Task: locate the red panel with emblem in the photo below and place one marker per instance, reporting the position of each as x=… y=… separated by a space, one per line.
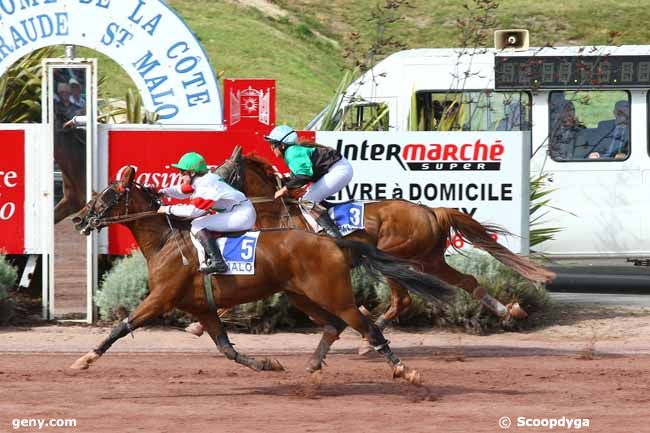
x=12 y=192
x=249 y=104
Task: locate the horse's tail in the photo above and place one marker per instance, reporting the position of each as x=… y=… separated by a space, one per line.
x=477 y=234
x=380 y=263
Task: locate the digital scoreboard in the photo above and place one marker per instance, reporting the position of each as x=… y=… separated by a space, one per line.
x=571 y=72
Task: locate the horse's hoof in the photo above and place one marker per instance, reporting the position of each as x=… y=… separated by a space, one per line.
x=273 y=365
x=516 y=311
x=316 y=377
x=365 y=348
x=84 y=362
x=410 y=375
x=195 y=329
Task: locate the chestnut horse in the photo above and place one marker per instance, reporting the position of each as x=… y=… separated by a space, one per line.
x=407 y=230
x=313 y=270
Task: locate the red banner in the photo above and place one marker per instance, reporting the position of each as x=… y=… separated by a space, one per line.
x=12 y=192
x=153 y=152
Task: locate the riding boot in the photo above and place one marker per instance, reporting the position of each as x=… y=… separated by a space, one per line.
x=214 y=262
x=325 y=221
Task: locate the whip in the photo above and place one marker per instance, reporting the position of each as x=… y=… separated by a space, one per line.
x=178 y=245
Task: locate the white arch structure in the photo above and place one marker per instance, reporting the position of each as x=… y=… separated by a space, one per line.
x=146 y=37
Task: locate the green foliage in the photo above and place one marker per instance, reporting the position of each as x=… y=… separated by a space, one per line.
x=264 y=316
x=20 y=89
x=332 y=118
x=123 y=287
x=8 y=278
x=504 y=284
x=539 y=205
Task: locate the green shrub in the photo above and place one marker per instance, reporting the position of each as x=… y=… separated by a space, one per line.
x=264 y=316
x=8 y=278
x=504 y=284
x=123 y=287
x=464 y=311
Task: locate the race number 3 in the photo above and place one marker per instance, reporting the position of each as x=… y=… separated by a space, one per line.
x=354 y=214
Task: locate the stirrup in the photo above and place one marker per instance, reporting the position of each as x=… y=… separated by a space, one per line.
x=213 y=267
x=329 y=226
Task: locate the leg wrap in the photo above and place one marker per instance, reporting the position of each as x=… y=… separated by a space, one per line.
x=225 y=346
x=375 y=337
x=117 y=332
x=381 y=322
x=495 y=306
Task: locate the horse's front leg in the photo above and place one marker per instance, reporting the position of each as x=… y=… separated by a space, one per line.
x=150 y=308
x=211 y=323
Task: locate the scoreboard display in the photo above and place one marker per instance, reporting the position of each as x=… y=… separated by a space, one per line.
x=571 y=72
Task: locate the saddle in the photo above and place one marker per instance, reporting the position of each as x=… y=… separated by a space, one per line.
x=217 y=235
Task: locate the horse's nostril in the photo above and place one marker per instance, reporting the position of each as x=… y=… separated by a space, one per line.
x=77 y=220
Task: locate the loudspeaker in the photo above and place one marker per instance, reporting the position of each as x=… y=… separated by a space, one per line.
x=517 y=39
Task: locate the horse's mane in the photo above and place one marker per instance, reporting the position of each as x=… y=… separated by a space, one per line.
x=260 y=164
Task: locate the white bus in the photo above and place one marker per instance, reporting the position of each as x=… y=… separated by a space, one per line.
x=579 y=104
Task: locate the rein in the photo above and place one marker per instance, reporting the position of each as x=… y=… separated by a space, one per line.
x=124 y=218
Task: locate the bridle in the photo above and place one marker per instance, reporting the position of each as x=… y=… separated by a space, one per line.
x=109 y=198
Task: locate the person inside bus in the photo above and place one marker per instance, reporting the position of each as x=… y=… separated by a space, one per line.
x=614 y=141
x=515 y=118
x=566 y=134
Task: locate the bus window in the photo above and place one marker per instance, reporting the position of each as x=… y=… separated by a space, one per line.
x=471 y=111
x=368 y=117
x=589 y=125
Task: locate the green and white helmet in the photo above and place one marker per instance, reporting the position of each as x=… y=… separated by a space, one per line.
x=192 y=162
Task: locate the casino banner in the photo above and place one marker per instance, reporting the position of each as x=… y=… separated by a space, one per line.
x=153 y=151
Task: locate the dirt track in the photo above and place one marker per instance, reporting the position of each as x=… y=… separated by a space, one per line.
x=181 y=385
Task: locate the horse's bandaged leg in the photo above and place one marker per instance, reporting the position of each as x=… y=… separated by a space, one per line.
x=117 y=332
x=494 y=305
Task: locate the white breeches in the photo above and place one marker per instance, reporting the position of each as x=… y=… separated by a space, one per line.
x=241 y=217
x=339 y=175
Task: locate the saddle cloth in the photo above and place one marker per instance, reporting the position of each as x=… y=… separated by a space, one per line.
x=348 y=216
x=238 y=251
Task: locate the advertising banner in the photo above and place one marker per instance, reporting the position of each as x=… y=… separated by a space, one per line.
x=484 y=174
x=12 y=192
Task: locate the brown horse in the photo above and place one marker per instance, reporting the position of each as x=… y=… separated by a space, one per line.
x=410 y=231
x=70 y=156
x=313 y=270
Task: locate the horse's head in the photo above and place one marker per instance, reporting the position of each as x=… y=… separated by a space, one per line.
x=231 y=171
x=116 y=202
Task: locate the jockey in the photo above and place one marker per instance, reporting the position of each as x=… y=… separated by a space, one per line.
x=214 y=206
x=310 y=162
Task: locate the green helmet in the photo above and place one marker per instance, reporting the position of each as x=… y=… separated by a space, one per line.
x=192 y=162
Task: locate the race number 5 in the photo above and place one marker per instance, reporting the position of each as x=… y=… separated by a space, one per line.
x=247 y=249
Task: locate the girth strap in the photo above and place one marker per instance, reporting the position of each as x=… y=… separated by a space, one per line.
x=209 y=296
